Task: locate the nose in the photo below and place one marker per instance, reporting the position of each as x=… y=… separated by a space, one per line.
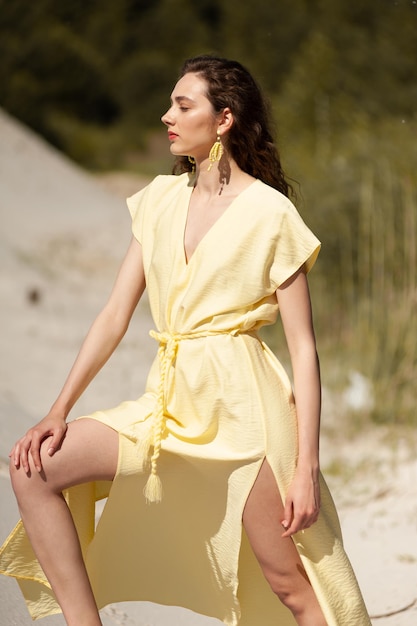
x=167 y=118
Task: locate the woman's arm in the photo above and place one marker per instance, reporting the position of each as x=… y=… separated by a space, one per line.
x=102 y=339
x=303 y=499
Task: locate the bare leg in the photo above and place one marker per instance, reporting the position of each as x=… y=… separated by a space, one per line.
x=277 y=556
x=89 y=452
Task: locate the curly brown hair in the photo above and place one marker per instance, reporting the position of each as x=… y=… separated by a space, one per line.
x=249 y=142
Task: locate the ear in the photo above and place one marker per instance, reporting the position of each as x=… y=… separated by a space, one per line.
x=225 y=121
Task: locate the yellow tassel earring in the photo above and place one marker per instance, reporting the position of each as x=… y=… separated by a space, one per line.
x=216 y=152
x=192 y=161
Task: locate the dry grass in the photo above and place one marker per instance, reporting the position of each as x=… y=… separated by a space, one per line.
x=363 y=204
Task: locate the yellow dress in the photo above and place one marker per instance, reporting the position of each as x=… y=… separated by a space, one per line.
x=218 y=402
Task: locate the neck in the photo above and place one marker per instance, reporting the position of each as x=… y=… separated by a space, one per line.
x=222 y=176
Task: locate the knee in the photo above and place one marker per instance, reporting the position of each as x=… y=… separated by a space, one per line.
x=25 y=484
x=19 y=479
x=285 y=588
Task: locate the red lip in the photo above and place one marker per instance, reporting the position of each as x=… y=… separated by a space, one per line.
x=171 y=135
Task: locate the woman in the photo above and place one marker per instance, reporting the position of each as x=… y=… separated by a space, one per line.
x=215 y=440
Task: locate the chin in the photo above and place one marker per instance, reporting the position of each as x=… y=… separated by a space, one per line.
x=175 y=152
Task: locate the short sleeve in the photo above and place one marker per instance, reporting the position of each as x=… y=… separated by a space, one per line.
x=294 y=246
x=137 y=208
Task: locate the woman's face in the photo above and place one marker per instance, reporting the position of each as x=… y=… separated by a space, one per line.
x=191 y=121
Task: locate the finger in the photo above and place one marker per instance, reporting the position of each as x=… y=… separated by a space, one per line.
x=12 y=454
x=291 y=530
x=15 y=455
x=302 y=522
x=296 y=525
x=313 y=514
x=314 y=518
x=35 y=452
x=56 y=441
x=288 y=515
x=24 y=458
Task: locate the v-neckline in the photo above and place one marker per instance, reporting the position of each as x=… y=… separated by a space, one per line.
x=187 y=260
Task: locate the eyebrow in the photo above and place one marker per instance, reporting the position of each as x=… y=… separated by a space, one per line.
x=180 y=99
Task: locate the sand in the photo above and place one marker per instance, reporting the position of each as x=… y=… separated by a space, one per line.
x=62 y=238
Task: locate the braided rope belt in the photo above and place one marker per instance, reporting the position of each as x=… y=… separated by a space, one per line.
x=167 y=351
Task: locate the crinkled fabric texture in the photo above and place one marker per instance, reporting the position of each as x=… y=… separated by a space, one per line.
x=228 y=405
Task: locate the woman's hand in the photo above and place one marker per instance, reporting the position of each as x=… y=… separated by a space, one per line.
x=302 y=504
x=53 y=427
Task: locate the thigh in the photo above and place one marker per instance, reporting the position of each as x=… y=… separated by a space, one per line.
x=262 y=516
x=89 y=451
